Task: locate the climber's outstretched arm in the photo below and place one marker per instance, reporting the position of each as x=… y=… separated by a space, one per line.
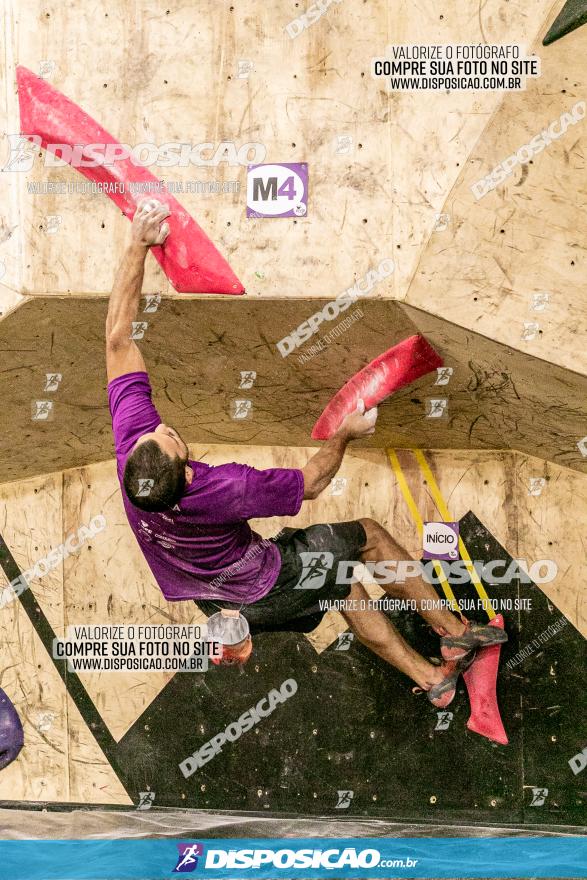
x=147 y=229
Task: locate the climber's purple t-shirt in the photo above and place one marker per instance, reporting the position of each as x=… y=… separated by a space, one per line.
x=204 y=548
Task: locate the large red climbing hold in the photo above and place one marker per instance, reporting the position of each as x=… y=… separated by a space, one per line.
x=396 y=367
x=481 y=681
x=188 y=257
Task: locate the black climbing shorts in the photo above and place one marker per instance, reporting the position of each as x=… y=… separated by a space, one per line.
x=310 y=561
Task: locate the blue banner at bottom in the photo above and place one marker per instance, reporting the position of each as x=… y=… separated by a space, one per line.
x=288 y=858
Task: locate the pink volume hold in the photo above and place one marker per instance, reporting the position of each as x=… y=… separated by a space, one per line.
x=398 y=366
x=188 y=257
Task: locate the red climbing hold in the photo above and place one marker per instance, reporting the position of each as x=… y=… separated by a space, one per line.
x=396 y=367
x=481 y=681
x=188 y=257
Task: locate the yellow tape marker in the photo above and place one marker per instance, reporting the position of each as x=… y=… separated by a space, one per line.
x=445 y=514
x=409 y=499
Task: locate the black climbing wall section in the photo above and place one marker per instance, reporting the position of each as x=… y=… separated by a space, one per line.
x=355 y=726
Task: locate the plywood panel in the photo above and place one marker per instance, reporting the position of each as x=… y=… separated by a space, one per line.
x=30 y=523
x=433 y=134
x=196 y=349
x=527 y=236
x=61 y=760
x=91 y=778
x=299 y=97
x=510 y=394
x=87 y=225
x=552 y=519
x=166 y=97
x=32 y=684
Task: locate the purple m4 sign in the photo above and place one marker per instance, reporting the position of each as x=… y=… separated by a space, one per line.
x=277 y=190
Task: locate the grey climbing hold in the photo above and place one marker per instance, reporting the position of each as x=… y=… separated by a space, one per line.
x=572 y=15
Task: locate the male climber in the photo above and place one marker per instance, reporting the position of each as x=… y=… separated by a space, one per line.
x=191 y=519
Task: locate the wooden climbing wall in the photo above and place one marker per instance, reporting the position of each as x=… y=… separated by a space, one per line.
x=495 y=284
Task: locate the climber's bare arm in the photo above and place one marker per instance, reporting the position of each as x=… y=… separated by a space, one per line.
x=147 y=229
